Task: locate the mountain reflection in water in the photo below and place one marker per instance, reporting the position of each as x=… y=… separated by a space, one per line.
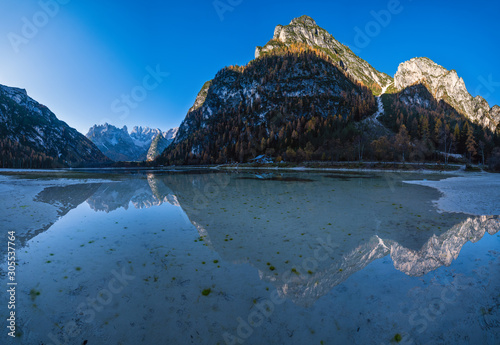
x=305 y=233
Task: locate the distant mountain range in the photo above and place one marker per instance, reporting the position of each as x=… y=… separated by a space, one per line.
x=305 y=96
x=143 y=143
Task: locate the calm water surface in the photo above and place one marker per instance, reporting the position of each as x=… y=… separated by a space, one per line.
x=210 y=257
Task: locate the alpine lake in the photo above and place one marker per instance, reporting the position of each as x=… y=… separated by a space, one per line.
x=206 y=256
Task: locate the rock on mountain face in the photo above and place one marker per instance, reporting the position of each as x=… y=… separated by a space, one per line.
x=24 y=120
x=158 y=145
x=202 y=95
x=171 y=133
x=115 y=143
x=143 y=136
x=447 y=86
x=119 y=145
x=305 y=30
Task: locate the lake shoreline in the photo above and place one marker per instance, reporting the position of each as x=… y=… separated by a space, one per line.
x=475 y=194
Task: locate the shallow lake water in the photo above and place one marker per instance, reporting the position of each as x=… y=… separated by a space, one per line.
x=253 y=257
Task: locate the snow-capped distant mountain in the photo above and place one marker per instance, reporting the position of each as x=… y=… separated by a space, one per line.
x=119 y=145
x=171 y=133
x=33 y=137
x=115 y=143
x=143 y=136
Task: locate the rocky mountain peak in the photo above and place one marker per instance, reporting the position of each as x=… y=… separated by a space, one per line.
x=416 y=70
x=14 y=93
x=447 y=86
x=304 y=20
x=305 y=30
x=119 y=145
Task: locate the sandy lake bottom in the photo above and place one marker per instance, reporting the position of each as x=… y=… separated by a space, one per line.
x=214 y=257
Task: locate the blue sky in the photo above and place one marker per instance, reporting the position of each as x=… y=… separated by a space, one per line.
x=80 y=58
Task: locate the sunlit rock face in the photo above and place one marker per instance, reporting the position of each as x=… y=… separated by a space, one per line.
x=305 y=30
x=447 y=86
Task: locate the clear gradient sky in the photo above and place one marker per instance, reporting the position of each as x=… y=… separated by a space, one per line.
x=80 y=57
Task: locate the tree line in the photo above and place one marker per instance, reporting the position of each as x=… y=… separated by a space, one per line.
x=15 y=155
x=433 y=130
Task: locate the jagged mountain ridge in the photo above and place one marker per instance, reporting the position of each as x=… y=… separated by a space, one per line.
x=305 y=30
x=119 y=145
x=143 y=136
x=447 y=86
x=31 y=124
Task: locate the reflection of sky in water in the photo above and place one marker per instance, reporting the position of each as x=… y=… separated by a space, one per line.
x=315 y=243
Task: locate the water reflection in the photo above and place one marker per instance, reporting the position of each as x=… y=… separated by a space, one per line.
x=442 y=250
x=67 y=198
x=305 y=233
x=140 y=193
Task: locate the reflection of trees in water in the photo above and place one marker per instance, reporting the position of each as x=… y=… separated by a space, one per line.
x=64 y=199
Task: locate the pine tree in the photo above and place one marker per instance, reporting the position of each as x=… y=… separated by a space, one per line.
x=437 y=131
x=456 y=133
x=471 y=143
x=425 y=129
x=402 y=141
